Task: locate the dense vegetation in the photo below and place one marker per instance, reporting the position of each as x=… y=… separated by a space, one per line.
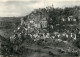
x=57 y=14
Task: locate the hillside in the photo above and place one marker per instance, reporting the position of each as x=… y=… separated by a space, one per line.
x=8 y=25
x=50 y=31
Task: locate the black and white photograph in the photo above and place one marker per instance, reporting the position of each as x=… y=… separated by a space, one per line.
x=39 y=28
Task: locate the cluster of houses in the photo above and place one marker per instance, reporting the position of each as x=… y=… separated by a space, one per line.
x=36 y=25
x=70 y=18
x=37 y=29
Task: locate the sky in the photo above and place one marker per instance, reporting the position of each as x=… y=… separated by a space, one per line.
x=15 y=8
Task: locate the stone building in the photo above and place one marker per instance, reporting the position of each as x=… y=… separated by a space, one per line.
x=44 y=23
